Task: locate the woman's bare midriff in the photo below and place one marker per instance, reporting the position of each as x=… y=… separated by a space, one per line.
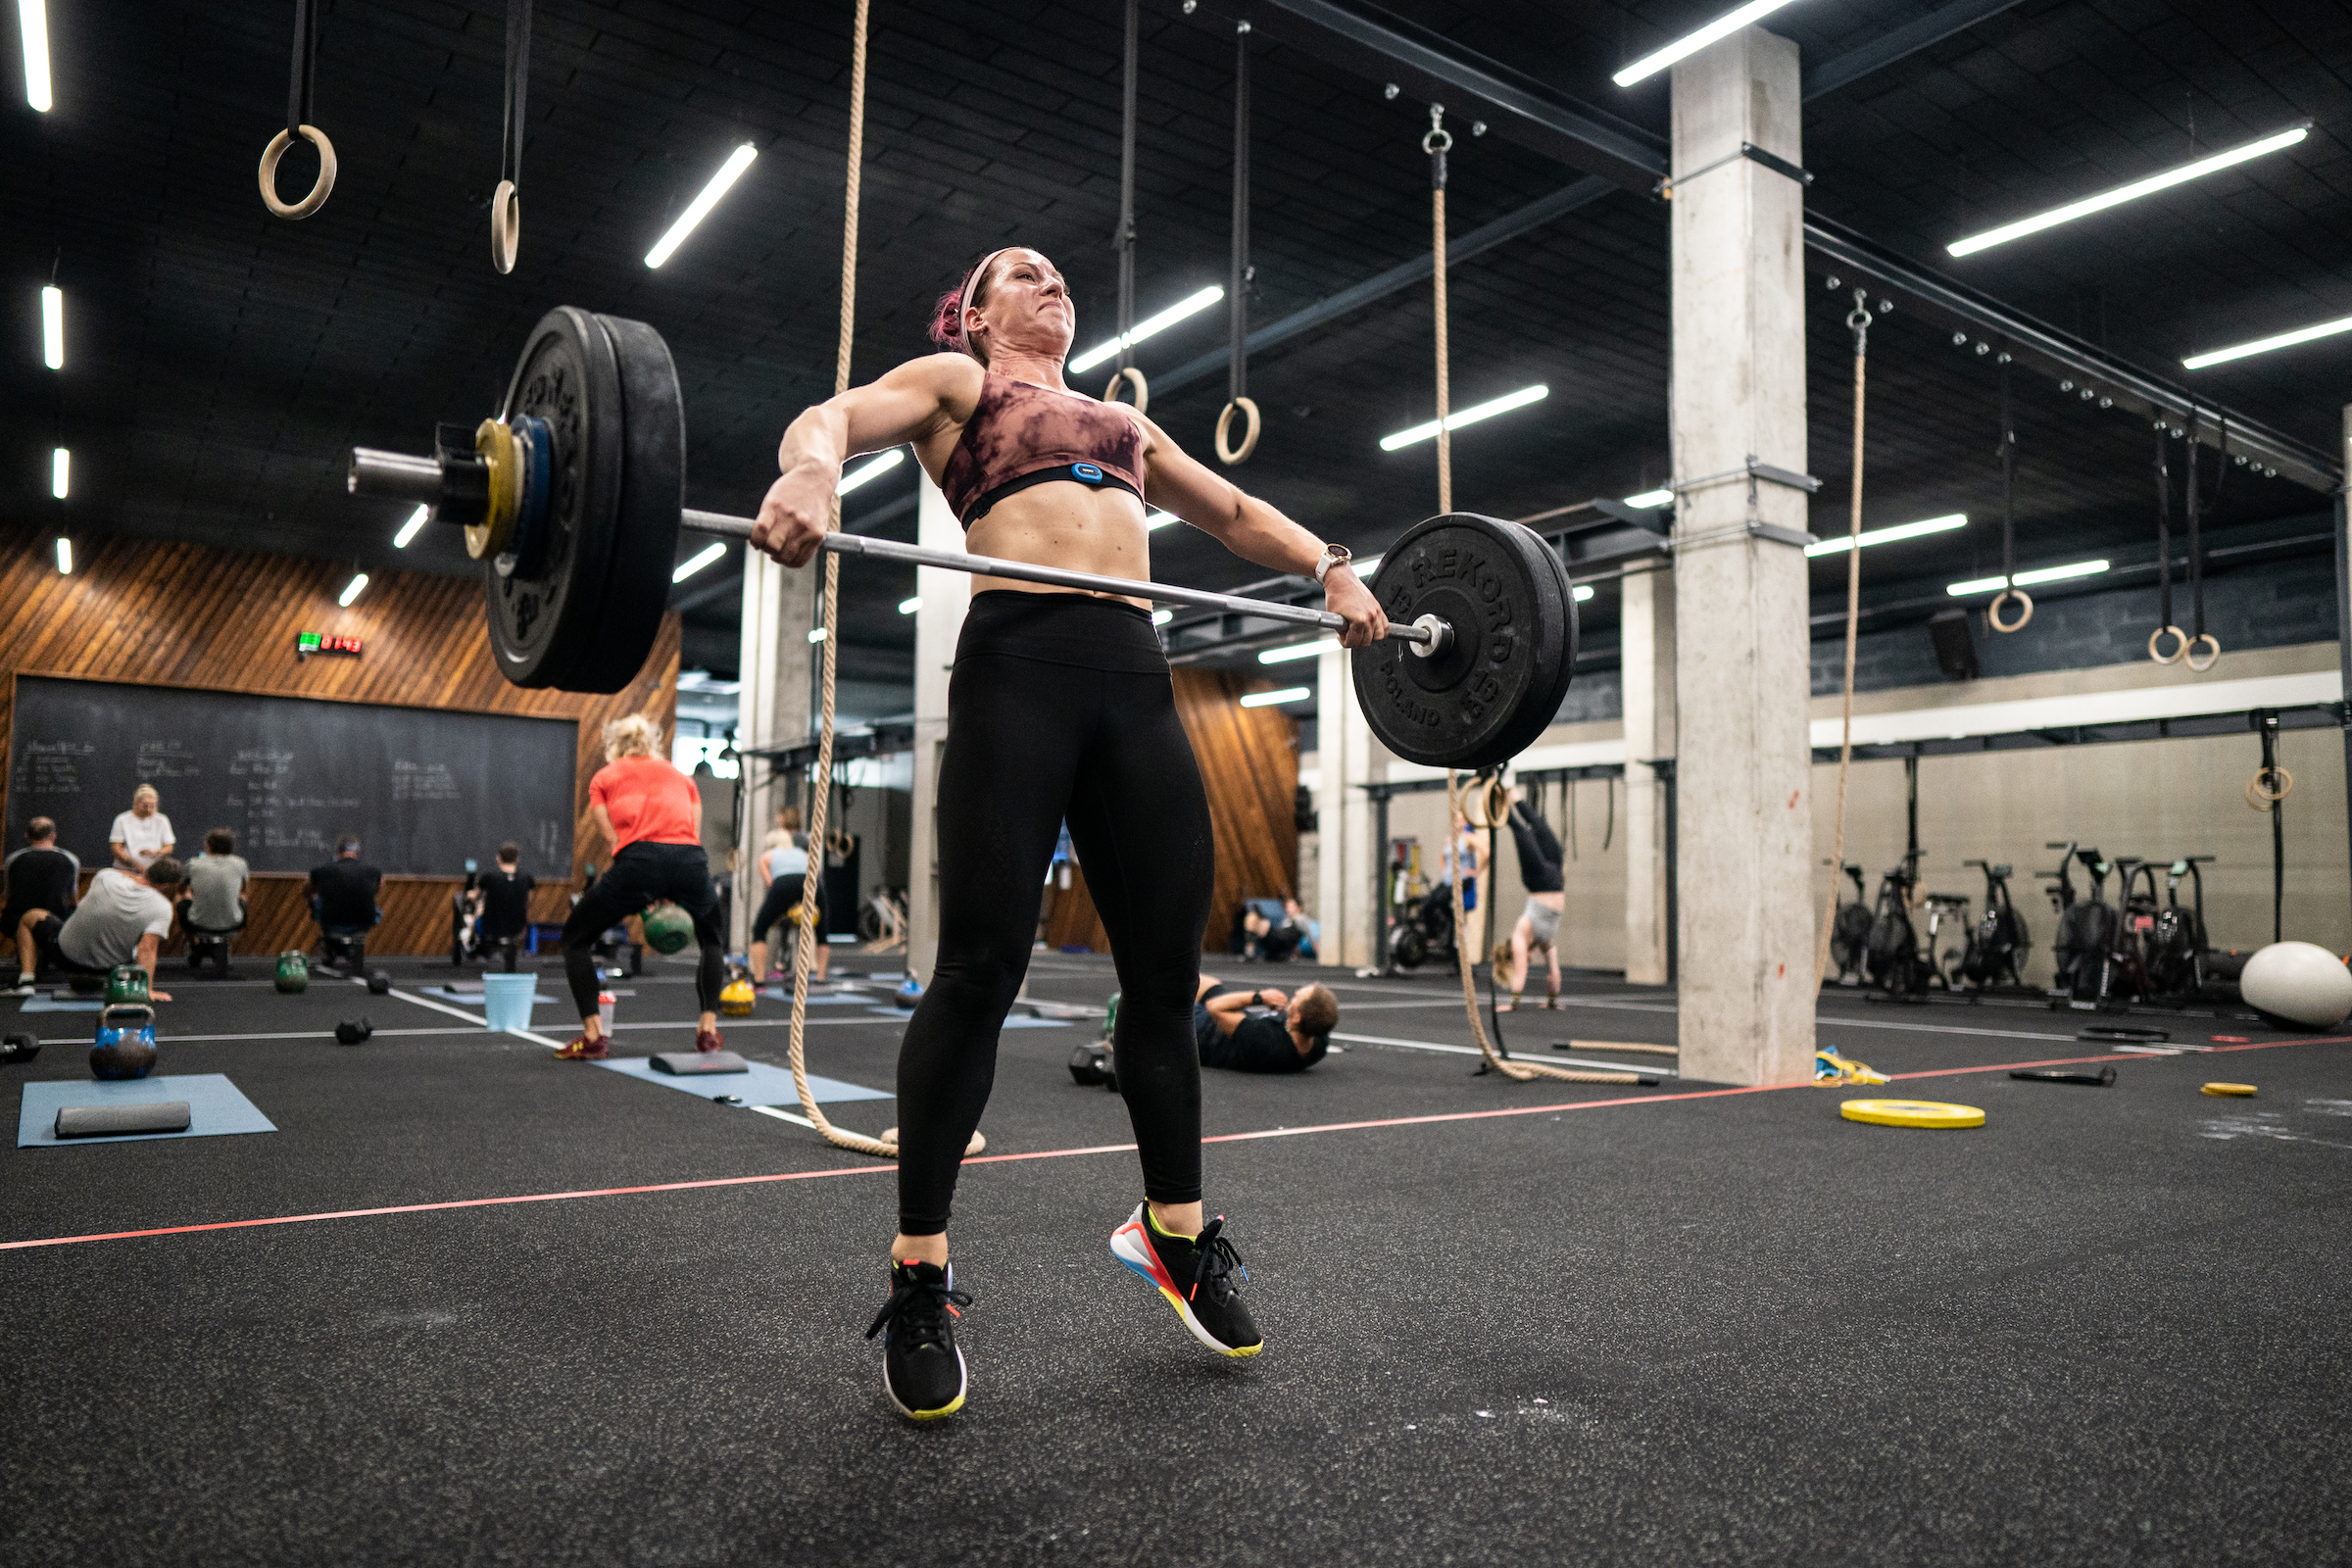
x=1070 y=525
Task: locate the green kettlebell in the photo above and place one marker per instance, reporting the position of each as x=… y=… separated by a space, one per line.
x=667 y=928
x=293 y=973
x=1110 y=1015
x=126 y=984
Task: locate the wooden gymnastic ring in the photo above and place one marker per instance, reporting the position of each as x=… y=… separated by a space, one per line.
x=1143 y=388
x=1225 y=454
x=1993 y=612
x=1495 y=801
x=2188 y=655
x=2260 y=795
x=506 y=225
x=2180 y=645
x=319 y=191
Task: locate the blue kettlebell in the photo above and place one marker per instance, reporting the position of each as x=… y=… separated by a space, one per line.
x=126 y=1043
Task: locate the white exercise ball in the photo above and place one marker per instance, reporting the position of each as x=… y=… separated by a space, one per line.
x=2300 y=982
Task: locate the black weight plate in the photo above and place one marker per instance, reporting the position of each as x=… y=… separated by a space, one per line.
x=645 y=532
x=544 y=625
x=1500 y=685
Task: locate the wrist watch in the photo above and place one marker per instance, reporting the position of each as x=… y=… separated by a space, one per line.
x=1333 y=555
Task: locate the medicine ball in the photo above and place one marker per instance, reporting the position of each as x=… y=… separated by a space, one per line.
x=736 y=997
x=293 y=973
x=667 y=928
x=2297 y=985
x=353 y=1031
x=126 y=1043
x=379 y=983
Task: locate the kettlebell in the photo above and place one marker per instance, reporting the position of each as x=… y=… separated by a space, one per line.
x=379 y=983
x=1110 y=1015
x=126 y=1043
x=353 y=1031
x=293 y=973
x=126 y=983
x=910 y=992
x=667 y=928
x=736 y=997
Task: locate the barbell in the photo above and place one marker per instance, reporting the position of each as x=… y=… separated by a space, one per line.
x=572 y=498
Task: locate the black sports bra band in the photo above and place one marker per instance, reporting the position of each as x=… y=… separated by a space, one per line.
x=1086 y=473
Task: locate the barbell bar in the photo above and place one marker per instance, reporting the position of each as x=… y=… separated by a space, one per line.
x=571 y=498
x=404 y=476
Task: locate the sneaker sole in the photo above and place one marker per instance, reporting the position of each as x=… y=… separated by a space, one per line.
x=963 y=1386
x=1131 y=1247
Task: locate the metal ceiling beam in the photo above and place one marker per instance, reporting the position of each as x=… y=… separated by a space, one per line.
x=1910 y=38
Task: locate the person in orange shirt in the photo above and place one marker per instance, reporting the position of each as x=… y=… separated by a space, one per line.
x=653 y=814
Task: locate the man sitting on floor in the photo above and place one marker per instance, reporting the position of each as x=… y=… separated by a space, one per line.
x=41 y=879
x=343 y=893
x=1292 y=1039
x=122 y=920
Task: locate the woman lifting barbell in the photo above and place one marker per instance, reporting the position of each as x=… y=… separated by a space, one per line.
x=1059 y=707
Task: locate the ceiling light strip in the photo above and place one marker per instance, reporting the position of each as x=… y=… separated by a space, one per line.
x=1470 y=415
x=2264 y=345
x=1837 y=543
x=1191 y=305
x=1722 y=27
x=700 y=208
x=2099 y=203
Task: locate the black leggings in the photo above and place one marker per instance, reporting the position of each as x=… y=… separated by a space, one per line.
x=640 y=874
x=1039 y=732
x=781 y=905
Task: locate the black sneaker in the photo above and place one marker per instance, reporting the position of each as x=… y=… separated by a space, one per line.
x=1195 y=1275
x=922 y=1371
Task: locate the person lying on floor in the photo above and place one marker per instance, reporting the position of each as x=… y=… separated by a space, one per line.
x=1291 y=1039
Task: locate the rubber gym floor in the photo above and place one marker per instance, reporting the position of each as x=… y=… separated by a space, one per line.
x=472 y=1304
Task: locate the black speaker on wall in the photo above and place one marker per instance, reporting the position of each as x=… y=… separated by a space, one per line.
x=1955 y=645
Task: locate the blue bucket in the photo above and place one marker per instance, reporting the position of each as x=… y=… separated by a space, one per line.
x=506 y=1000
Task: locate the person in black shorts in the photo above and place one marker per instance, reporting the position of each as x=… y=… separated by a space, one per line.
x=1290 y=1039
x=506 y=901
x=42 y=879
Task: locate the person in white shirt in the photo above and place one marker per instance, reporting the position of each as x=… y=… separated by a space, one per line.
x=142 y=833
x=123 y=918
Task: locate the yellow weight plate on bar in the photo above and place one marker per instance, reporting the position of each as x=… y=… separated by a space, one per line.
x=485 y=539
x=2232 y=1090
x=1910 y=1114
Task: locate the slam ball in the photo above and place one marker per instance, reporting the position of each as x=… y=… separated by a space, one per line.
x=2301 y=983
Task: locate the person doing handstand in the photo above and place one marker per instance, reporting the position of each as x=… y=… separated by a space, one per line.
x=1538 y=927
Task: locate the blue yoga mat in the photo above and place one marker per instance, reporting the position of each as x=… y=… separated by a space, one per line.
x=762 y=1086
x=42 y=1002
x=816 y=998
x=215 y=1105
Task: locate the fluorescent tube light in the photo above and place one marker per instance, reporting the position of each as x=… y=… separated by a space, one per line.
x=1288 y=693
x=408 y=530
x=1190 y=305
x=61 y=469
x=698 y=561
x=1722 y=27
x=33 y=16
x=2125 y=193
x=907 y=607
x=700 y=208
x=1650 y=500
x=65 y=555
x=1283 y=656
x=2026 y=579
x=53 y=328
x=1584 y=591
x=1837 y=544
x=1159 y=520
x=816 y=634
x=1364 y=568
x=1471 y=416
x=351 y=589
x=2264 y=345
x=1160 y=617
x=883 y=462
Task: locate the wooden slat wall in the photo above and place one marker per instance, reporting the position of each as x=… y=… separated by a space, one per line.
x=179 y=615
x=1248 y=760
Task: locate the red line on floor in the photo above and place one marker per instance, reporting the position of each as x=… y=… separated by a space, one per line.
x=1092 y=1149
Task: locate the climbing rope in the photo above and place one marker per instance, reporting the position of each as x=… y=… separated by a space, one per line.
x=299 y=110
x=506 y=201
x=1857 y=322
x=1237 y=371
x=1438 y=144
x=804 y=952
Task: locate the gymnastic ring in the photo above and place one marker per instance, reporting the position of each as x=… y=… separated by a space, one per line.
x=2260 y=795
x=1226 y=455
x=506 y=225
x=2180 y=645
x=1993 y=612
x=2188 y=655
x=319 y=191
x=1495 y=801
x=1143 y=388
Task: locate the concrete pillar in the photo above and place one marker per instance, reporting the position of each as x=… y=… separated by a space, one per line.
x=1346 y=902
x=779 y=606
x=1744 y=833
x=2343 y=600
x=1645 y=642
x=946 y=596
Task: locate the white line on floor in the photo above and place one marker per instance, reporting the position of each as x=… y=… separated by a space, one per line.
x=1473 y=1051
x=782 y=1114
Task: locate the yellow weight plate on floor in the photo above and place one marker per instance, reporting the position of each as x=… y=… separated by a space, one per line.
x=1910 y=1114
x=2238 y=1091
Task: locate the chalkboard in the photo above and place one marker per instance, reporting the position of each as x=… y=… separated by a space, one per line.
x=425 y=790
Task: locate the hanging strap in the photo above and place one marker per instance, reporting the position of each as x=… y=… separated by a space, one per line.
x=1438 y=142
x=506 y=201
x=301 y=91
x=2202 y=648
x=1124 y=240
x=301 y=94
x=2009 y=589
x=1236 y=314
x=2164 y=561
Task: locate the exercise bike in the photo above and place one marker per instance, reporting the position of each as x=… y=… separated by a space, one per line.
x=1943 y=967
x=2175 y=945
x=1849 y=932
x=1998 y=941
x=1891 y=955
x=2084 y=946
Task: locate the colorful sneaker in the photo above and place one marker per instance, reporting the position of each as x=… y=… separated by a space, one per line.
x=584 y=1049
x=1197 y=1276
x=706 y=1040
x=922 y=1371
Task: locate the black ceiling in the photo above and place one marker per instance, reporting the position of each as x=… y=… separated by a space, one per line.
x=221 y=361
